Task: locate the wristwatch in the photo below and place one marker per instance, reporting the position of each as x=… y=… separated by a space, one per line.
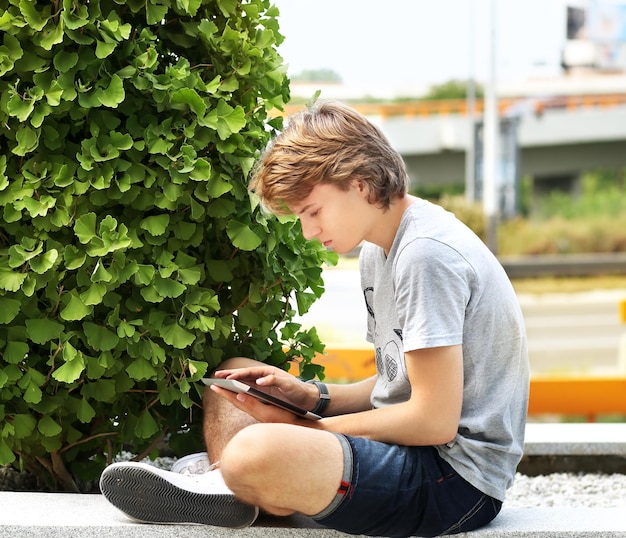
x=324 y=400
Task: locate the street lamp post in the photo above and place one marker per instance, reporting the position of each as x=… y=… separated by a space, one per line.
x=470 y=152
x=490 y=142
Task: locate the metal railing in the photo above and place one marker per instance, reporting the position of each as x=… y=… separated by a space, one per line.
x=444 y=107
x=597 y=263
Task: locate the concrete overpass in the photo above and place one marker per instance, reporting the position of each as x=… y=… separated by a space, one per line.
x=558 y=137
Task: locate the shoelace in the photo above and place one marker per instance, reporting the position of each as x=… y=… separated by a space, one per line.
x=200 y=468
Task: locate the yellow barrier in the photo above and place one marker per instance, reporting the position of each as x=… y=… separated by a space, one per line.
x=590 y=396
x=578 y=396
x=622 y=311
x=347 y=364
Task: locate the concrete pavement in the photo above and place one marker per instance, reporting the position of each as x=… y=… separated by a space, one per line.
x=57 y=515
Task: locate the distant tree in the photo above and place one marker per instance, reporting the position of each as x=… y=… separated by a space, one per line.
x=317 y=75
x=453 y=89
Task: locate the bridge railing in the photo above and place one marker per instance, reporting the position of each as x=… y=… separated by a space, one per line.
x=444 y=107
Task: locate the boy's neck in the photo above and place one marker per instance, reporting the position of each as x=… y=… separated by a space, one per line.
x=389 y=222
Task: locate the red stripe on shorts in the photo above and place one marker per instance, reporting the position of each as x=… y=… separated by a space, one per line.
x=344 y=487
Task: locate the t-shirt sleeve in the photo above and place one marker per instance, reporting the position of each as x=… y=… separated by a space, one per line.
x=432 y=284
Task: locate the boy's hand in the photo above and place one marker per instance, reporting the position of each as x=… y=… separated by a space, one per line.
x=276 y=382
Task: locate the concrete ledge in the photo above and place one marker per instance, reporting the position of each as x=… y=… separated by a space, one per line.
x=66 y=515
x=574 y=448
x=575 y=439
x=58 y=515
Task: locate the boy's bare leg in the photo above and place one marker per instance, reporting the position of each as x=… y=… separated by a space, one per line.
x=282 y=468
x=222 y=420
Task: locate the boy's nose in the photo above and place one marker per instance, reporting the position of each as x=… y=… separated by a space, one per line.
x=309 y=230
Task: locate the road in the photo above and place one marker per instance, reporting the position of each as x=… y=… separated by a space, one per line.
x=568 y=334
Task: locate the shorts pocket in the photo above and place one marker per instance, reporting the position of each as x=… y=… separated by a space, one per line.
x=484 y=511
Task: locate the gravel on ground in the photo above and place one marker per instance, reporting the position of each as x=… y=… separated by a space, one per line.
x=572 y=490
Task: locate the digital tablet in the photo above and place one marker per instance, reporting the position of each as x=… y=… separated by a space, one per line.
x=239 y=386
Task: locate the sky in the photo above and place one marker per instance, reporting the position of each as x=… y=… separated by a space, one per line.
x=413 y=43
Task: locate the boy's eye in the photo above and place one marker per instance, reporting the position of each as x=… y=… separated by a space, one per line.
x=315 y=213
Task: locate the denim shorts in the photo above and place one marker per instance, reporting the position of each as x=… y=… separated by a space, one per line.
x=401 y=491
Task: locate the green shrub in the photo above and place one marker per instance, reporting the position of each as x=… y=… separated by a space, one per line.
x=132 y=258
x=562 y=236
x=593 y=220
x=471 y=214
x=600 y=195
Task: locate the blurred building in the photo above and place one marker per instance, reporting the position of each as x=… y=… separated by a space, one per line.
x=596 y=36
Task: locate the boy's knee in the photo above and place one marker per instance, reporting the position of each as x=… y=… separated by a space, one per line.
x=245 y=450
x=237 y=362
x=245 y=459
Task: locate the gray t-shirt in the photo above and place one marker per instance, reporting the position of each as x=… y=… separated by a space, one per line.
x=441 y=286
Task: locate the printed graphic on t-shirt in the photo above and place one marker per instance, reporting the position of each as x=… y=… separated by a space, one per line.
x=368 y=295
x=391 y=362
x=389 y=358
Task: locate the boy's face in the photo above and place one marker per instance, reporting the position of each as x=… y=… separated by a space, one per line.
x=338 y=219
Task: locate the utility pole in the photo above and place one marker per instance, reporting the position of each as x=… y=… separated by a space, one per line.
x=470 y=151
x=490 y=142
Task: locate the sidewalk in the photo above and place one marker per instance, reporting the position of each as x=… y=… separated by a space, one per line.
x=58 y=515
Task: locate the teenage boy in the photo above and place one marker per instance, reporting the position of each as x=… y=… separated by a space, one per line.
x=427 y=446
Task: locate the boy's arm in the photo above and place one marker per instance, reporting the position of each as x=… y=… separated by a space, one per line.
x=344 y=398
x=350 y=398
x=430 y=417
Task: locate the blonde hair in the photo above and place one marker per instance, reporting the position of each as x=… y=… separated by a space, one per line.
x=328 y=143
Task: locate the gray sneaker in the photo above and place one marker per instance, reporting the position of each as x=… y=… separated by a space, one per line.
x=151 y=495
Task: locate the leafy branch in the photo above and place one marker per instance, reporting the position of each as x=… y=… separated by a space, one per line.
x=134 y=259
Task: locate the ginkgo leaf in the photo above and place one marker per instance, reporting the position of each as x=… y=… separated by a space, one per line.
x=114 y=94
x=10 y=309
x=242 y=236
x=176 y=336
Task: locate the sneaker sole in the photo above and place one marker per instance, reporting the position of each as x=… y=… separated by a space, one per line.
x=149 y=498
